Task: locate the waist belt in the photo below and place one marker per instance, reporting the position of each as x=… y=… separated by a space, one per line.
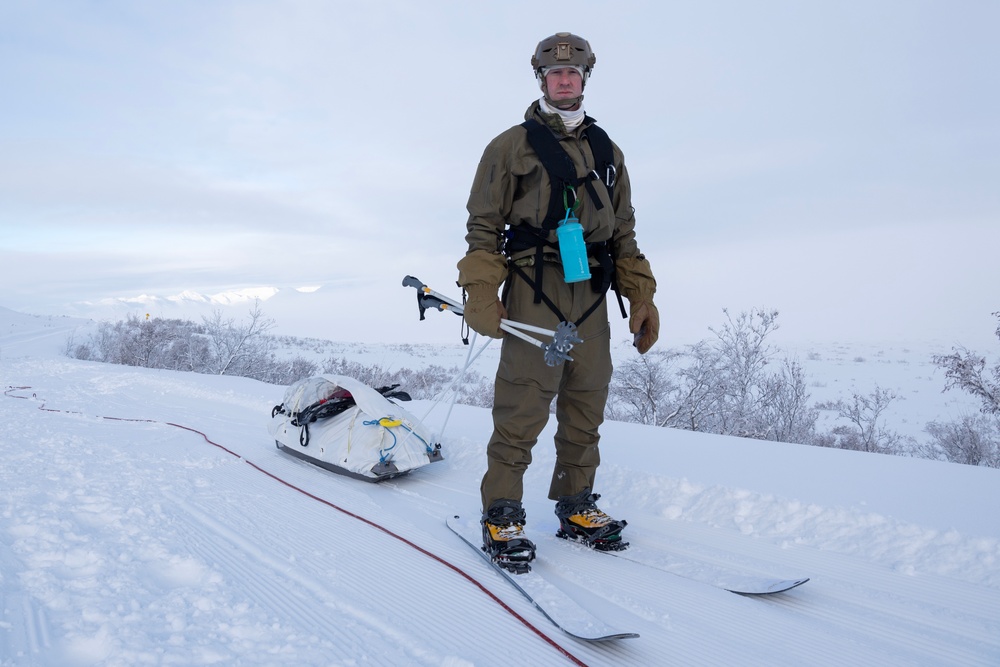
x=530 y=260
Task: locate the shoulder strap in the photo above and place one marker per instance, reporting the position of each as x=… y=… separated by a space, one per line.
x=604 y=156
x=604 y=159
x=557 y=163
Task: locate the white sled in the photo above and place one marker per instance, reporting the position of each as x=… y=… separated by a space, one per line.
x=345 y=426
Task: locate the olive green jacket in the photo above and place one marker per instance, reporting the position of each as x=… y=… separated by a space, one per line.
x=512 y=187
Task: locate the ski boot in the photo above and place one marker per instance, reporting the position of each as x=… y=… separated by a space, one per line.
x=503 y=536
x=580 y=520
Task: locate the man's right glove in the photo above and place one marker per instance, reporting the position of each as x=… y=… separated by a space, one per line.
x=480 y=273
x=483 y=311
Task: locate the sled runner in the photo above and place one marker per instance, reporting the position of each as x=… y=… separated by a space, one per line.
x=343 y=425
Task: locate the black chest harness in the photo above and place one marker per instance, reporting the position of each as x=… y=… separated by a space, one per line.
x=562 y=200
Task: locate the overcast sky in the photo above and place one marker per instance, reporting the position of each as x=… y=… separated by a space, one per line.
x=837 y=161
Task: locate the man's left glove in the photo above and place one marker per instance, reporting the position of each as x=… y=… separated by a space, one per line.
x=644 y=322
x=637 y=284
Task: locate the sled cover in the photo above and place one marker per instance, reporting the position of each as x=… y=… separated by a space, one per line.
x=344 y=425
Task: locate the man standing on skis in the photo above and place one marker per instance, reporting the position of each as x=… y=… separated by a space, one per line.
x=555 y=168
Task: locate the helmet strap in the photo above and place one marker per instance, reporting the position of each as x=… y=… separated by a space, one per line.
x=564 y=105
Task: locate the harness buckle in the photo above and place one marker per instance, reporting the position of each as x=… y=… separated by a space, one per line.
x=611 y=176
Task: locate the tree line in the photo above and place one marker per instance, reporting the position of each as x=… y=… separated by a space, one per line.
x=246 y=348
x=733 y=383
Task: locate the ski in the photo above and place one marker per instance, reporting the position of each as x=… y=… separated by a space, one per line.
x=561 y=610
x=741 y=584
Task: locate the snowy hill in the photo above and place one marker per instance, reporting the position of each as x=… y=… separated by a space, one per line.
x=127 y=538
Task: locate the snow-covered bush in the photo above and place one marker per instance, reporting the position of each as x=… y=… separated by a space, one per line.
x=965 y=370
x=866 y=430
x=727 y=385
x=425 y=383
x=974 y=440
x=216 y=346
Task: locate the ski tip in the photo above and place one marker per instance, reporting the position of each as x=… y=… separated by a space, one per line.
x=595 y=639
x=770 y=588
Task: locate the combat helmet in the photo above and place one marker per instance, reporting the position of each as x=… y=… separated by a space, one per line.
x=563 y=49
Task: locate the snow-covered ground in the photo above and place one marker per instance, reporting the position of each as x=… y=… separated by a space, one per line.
x=128 y=539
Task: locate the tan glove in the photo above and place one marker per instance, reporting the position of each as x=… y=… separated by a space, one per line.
x=635 y=278
x=644 y=322
x=637 y=284
x=481 y=273
x=483 y=311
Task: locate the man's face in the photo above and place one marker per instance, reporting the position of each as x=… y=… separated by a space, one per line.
x=563 y=83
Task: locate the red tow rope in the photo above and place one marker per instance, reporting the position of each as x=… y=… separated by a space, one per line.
x=547 y=639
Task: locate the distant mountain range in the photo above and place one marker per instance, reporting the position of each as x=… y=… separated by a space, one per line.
x=339 y=311
x=227 y=298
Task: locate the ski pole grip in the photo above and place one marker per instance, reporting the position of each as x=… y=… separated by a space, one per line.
x=410 y=281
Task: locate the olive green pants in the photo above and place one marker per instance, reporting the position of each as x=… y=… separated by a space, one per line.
x=526 y=385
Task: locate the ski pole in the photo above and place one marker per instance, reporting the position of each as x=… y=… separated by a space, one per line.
x=469 y=359
x=563 y=338
x=529 y=327
x=512 y=328
x=425 y=296
x=447 y=303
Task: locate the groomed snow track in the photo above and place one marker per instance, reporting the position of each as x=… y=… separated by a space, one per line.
x=150 y=543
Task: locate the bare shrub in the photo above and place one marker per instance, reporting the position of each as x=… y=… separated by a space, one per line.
x=973 y=440
x=642 y=389
x=867 y=431
x=965 y=370
x=724 y=385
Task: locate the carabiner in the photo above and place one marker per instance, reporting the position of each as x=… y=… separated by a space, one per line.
x=567 y=191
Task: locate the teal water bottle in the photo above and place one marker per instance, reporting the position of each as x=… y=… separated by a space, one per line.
x=572 y=249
